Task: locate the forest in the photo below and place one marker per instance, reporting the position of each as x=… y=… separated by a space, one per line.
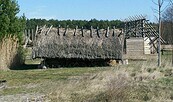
x=167 y=25
x=32 y=23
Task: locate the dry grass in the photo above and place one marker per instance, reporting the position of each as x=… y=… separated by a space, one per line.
x=140 y=81
x=8 y=52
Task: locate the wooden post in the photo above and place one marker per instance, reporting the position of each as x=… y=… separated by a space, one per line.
x=143 y=26
x=98 y=34
x=82 y=32
x=120 y=33
x=113 y=34
x=59 y=26
x=91 y=32
x=107 y=32
x=43 y=29
x=66 y=30
x=27 y=38
x=75 y=30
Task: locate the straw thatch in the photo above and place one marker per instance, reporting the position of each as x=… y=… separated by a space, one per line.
x=77 y=43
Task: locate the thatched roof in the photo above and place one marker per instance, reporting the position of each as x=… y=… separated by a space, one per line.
x=77 y=43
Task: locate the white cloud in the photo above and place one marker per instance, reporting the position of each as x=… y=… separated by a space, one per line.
x=39 y=12
x=43 y=17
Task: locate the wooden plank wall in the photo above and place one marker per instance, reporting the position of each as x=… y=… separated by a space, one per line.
x=135 y=46
x=147 y=46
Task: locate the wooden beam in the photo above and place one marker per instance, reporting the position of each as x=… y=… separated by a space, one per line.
x=75 y=31
x=91 y=32
x=82 y=32
x=59 y=26
x=49 y=30
x=66 y=30
x=113 y=34
x=98 y=33
x=107 y=32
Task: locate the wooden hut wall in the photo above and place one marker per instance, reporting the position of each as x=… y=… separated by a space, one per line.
x=135 y=46
x=147 y=46
x=78 y=43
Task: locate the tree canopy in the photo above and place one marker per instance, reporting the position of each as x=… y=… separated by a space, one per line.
x=32 y=23
x=10 y=24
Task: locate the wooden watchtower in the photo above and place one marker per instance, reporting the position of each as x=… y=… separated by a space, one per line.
x=140 y=38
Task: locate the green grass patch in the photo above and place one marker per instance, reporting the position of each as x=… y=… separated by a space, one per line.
x=17 y=79
x=33 y=62
x=167 y=82
x=36 y=76
x=13 y=91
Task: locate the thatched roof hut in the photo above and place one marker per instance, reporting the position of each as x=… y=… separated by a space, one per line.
x=78 y=43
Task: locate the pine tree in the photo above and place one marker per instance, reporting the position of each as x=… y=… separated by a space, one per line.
x=9 y=22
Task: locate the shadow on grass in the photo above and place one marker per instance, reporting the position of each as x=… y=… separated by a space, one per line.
x=26 y=67
x=75 y=63
x=63 y=63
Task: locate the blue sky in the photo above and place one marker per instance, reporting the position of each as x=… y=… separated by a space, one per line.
x=86 y=9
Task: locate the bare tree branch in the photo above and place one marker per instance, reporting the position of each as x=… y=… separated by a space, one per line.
x=155 y=10
x=154 y=2
x=156 y=18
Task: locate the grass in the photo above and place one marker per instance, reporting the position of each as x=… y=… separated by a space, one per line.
x=17 y=79
x=140 y=81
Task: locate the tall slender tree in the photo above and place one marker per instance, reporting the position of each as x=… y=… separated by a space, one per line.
x=159 y=11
